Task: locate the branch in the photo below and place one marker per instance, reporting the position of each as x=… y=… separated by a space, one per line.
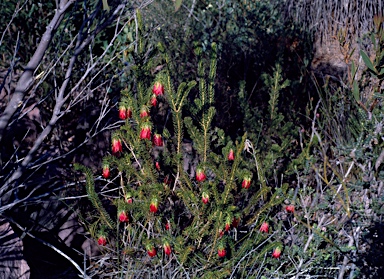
x=83 y=274
x=26 y=80
x=61 y=98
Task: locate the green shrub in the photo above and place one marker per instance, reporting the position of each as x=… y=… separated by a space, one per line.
x=174 y=186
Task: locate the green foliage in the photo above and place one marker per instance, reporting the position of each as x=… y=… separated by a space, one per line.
x=197 y=229
x=338 y=166
x=274 y=135
x=323 y=166
x=102 y=215
x=23 y=23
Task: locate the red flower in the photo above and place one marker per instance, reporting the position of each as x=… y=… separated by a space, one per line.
x=106 y=171
x=116 y=146
x=153 y=100
x=227 y=227
x=128 y=198
x=290 y=208
x=145 y=132
x=151 y=251
x=246 y=182
x=123 y=114
x=157 y=165
x=228 y=221
x=235 y=222
x=167 y=248
x=231 y=155
x=158 y=88
x=157 y=140
x=264 y=227
x=123 y=217
x=153 y=206
x=144 y=112
x=129 y=112
x=276 y=253
x=102 y=240
x=205 y=198
x=200 y=175
x=221 y=252
x=167 y=226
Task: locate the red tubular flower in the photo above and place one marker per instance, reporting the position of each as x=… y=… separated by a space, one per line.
x=235 y=222
x=227 y=227
x=231 y=155
x=158 y=88
x=116 y=146
x=153 y=206
x=123 y=217
x=129 y=112
x=264 y=227
x=246 y=182
x=167 y=226
x=221 y=252
x=102 y=240
x=205 y=198
x=167 y=248
x=157 y=140
x=106 y=171
x=128 y=198
x=157 y=165
x=145 y=132
x=200 y=175
x=153 y=100
x=228 y=222
x=144 y=112
x=290 y=208
x=123 y=113
x=276 y=253
x=151 y=251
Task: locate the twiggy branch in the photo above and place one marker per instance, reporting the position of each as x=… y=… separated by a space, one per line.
x=25 y=232
x=26 y=79
x=61 y=99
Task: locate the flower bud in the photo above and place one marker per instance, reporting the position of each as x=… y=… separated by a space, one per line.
x=246 y=182
x=116 y=146
x=153 y=206
x=102 y=240
x=123 y=217
x=157 y=140
x=106 y=171
x=123 y=113
x=145 y=132
x=158 y=88
x=231 y=155
x=205 y=198
x=276 y=252
x=200 y=175
x=264 y=227
x=290 y=208
x=153 y=100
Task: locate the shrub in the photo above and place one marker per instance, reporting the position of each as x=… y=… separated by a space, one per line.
x=175 y=188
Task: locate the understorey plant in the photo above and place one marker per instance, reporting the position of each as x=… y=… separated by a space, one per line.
x=182 y=199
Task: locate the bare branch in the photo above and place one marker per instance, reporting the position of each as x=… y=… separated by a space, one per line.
x=26 y=80
x=25 y=232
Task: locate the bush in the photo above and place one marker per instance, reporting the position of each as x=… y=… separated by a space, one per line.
x=279 y=197
x=180 y=185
